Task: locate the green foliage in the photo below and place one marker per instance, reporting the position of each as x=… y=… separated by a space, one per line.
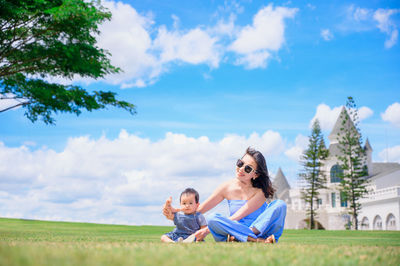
x=352 y=160
x=25 y=242
x=53 y=38
x=312 y=174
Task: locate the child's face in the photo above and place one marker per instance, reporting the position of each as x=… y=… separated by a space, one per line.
x=188 y=204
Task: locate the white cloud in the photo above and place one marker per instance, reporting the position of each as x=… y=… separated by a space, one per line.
x=311 y=7
x=391 y=154
x=296 y=151
x=128 y=39
x=326 y=34
x=123 y=180
x=392 y=114
x=364 y=112
x=361 y=14
x=327 y=116
x=386 y=25
x=254 y=60
x=145 y=50
x=265 y=35
x=193 y=47
x=364 y=19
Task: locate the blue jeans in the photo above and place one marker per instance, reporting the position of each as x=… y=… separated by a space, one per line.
x=270 y=222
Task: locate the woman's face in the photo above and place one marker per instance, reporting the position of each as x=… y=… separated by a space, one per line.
x=241 y=174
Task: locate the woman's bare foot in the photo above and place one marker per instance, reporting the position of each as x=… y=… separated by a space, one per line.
x=231 y=238
x=268 y=240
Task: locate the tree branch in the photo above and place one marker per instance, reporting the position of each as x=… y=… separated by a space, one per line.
x=15 y=106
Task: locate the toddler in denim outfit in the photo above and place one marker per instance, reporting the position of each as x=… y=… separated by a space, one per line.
x=187 y=221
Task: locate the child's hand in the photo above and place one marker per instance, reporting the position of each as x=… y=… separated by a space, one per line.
x=168 y=210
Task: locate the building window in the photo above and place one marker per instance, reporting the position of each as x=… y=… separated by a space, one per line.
x=378 y=223
x=343 y=199
x=333 y=200
x=391 y=222
x=336 y=173
x=365 y=223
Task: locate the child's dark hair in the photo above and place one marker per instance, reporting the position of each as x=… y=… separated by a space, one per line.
x=191 y=191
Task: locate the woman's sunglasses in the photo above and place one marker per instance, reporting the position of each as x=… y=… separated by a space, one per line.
x=247 y=168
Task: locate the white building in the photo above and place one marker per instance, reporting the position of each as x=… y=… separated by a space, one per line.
x=380 y=208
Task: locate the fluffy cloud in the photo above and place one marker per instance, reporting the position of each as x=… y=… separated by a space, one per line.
x=265 y=35
x=128 y=39
x=144 y=58
x=386 y=25
x=326 y=34
x=364 y=112
x=360 y=14
x=364 y=19
x=391 y=154
x=327 y=116
x=123 y=180
x=145 y=51
x=296 y=151
x=392 y=114
x=193 y=47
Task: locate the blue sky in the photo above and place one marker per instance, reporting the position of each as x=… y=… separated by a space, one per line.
x=209 y=78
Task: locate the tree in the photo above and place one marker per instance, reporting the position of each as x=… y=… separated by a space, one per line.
x=352 y=160
x=40 y=39
x=315 y=179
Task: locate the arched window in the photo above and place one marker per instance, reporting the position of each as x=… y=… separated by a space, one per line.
x=336 y=173
x=391 y=222
x=378 y=223
x=365 y=223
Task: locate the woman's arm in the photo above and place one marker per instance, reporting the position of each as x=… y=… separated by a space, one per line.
x=251 y=205
x=216 y=197
x=212 y=201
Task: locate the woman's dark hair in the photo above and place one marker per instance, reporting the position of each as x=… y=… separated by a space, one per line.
x=262 y=181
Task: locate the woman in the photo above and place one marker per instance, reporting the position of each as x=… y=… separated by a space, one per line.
x=251 y=218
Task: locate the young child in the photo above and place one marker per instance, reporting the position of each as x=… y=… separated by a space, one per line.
x=187 y=221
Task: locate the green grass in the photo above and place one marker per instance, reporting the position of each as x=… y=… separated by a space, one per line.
x=26 y=242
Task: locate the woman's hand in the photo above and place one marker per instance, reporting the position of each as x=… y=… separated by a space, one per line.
x=202 y=233
x=168 y=210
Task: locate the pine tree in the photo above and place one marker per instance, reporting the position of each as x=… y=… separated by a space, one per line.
x=352 y=160
x=312 y=174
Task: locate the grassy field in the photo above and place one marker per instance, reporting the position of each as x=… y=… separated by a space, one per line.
x=26 y=242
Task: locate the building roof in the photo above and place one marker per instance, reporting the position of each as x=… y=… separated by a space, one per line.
x=379 y=169
x=338 y=125
x=367 y=146
x=334 y=150
x=385 y=175
x=280 y=182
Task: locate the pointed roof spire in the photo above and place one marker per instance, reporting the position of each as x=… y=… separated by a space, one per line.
x=367 y=146
x=333 y=137
x=280 y=182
